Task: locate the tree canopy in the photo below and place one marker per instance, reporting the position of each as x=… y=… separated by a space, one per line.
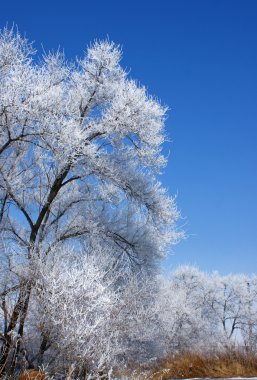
x=80 y=155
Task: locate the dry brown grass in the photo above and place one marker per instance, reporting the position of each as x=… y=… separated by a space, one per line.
x=230 y=364
x=32 y=375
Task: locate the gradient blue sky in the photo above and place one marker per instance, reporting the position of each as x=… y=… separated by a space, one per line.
x=199 y=57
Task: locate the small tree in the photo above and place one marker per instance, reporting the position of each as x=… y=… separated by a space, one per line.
x=182 y=311
x=91 y=316
x=79 y=155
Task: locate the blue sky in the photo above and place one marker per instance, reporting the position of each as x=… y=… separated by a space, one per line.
x=199 y=57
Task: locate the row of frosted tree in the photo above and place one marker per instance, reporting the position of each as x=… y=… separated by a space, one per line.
x=209 y=312
x=86 y=315
x=84 y=223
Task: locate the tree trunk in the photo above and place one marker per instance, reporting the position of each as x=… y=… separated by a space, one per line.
x=12 y=347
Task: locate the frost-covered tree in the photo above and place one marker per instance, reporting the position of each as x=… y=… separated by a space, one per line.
x=80 y=151
x=185 y=322
x=249 y=316
x=89 y=314
x=232 y=302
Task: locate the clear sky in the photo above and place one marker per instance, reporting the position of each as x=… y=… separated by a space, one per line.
x=199 y=57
